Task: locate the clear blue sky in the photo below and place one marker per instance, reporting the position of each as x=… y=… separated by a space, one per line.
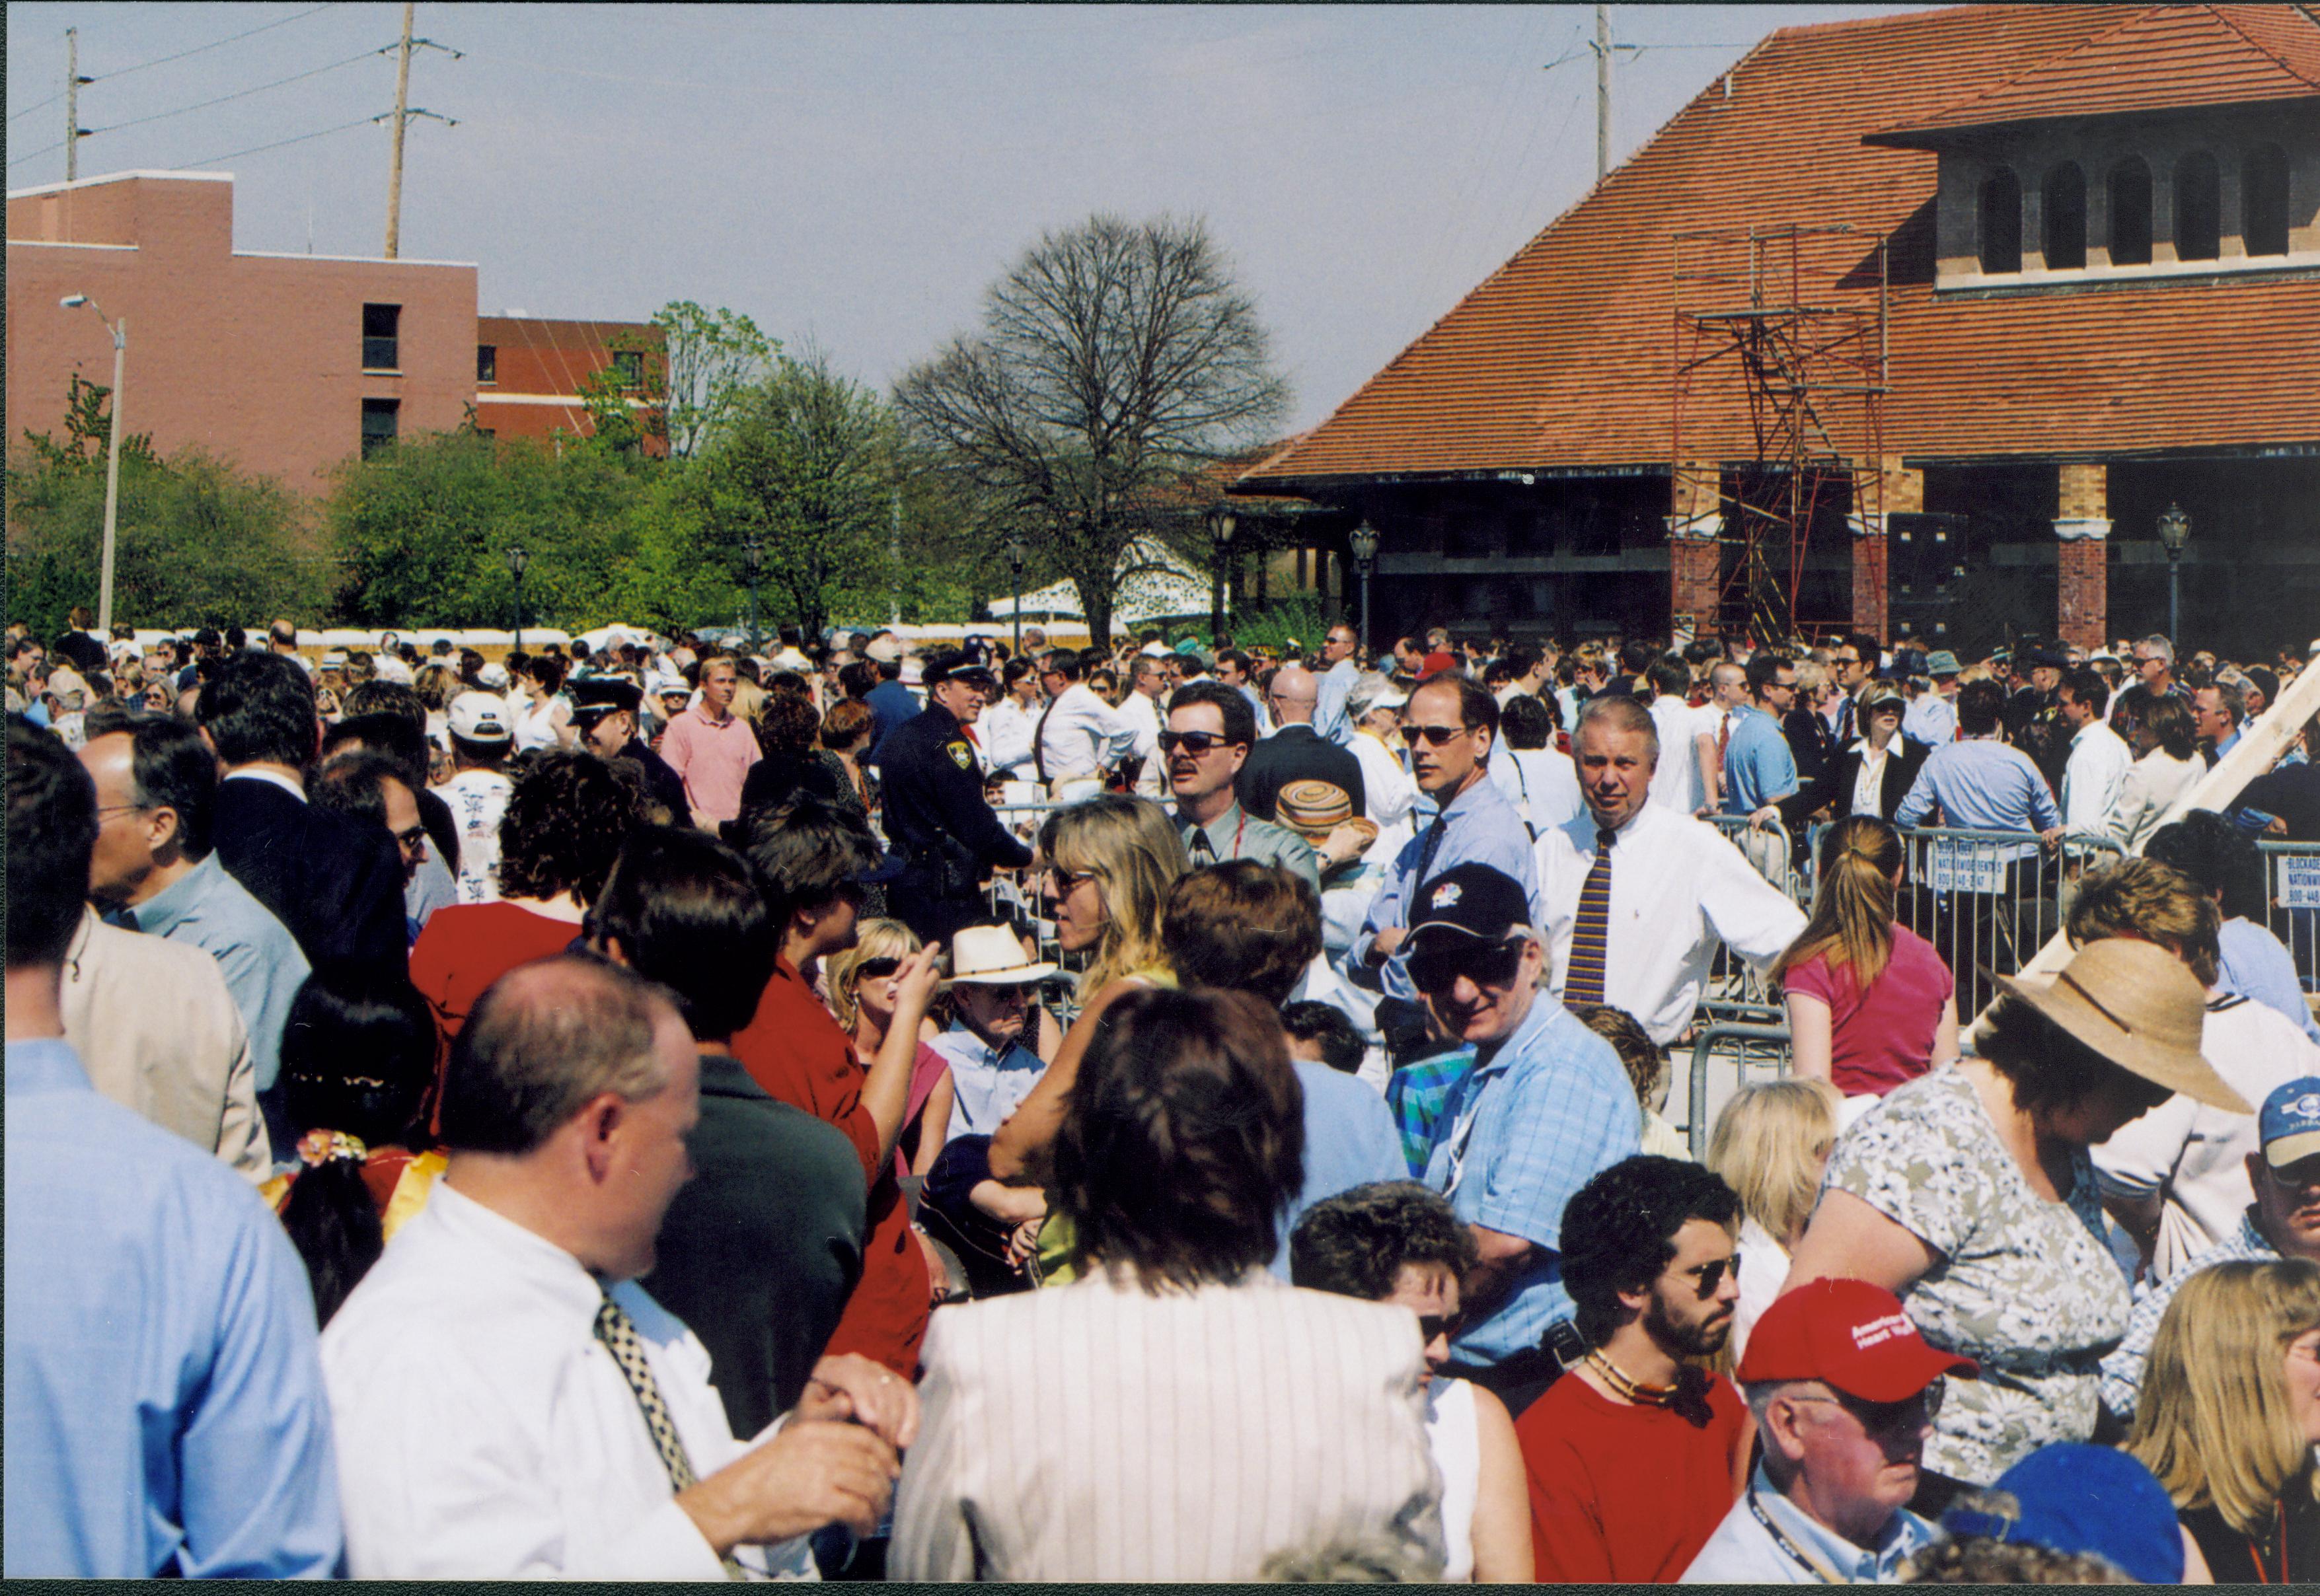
x=856 y=176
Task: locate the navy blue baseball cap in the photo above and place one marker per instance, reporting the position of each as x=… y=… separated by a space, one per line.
x=2289 y=1124
x=1472 y=899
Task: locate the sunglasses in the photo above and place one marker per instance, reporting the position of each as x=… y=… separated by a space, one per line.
x=1436 y=966
x=1430 y=1325
x=877 y=969
x=1889 y=1418
x=1707 y=1277
x=1195 y=743
x=1435 y=737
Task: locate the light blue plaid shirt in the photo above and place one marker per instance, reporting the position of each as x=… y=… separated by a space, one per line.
x=2122 y=1371
x=1535 y=1121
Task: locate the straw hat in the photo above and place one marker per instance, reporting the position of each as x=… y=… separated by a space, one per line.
x=2136 y=1005
x=1314 y=808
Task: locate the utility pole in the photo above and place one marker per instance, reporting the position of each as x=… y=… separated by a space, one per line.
x=401 y=122
x=894 y=553
x=72 y=105
x=1602 y=91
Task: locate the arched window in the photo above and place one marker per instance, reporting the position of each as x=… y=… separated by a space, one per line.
x=2062 y=202
x=2130 y=213
x=2199 y=208
x=2263 y=200
x=2001 y=222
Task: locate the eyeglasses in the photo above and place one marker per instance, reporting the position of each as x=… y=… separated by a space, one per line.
x=105 y=809
x=1435 y=737
x=1436 y=966
x=1707 y=1277
x=1195 y=743
x=1065 y=880
x=877 y=969
x=1001 y=993
x=1888 y=1417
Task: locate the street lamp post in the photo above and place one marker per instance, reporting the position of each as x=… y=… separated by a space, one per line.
x=1016 y=552
x=517 y=560
x=1222 y=523
x=1365 y=542
x=752 y=551
x=120 y=331
x=2174 y=531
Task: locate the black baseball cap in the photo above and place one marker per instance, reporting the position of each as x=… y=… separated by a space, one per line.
x=1472 y=899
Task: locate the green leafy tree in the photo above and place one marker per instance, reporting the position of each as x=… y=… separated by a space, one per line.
x=197 y=539
x=806 y=466
x=1115 y=362
x=708 y=359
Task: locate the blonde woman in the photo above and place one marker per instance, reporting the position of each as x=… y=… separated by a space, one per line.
x=2230 y=1413
x=1870 y=1004
x=865 y=983
x=1771 y=1144
x=1110 y=861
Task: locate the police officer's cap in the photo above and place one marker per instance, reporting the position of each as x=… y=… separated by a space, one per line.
x=956 y=665
x=595 y=697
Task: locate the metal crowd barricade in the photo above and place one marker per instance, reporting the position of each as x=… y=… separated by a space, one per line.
x=1988 y=900
x=2291 y=893
x=1735 y=992
x=1751 y=1047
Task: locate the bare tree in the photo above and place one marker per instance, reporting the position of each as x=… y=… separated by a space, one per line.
x=1114 y=361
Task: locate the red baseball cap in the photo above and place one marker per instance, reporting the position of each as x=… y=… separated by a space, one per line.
x=1437 y=661
x=1852 y=1335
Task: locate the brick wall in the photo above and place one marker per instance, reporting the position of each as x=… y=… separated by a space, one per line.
x=1694 y=563
x=2084 y=492
x=2084 y=591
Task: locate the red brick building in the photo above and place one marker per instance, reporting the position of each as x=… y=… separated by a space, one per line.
x=285 y=364
x=530 y=373
x=2088 y=241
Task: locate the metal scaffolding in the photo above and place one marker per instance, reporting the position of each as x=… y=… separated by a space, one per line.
x=1780 y=375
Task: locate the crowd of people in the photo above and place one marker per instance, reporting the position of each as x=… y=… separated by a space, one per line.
x=1009 y=1112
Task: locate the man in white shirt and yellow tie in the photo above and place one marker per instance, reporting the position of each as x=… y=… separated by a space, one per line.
x=508 y=1402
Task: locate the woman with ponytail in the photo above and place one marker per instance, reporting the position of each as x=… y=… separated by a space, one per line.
x=1870 y=1004
x=358 y=1056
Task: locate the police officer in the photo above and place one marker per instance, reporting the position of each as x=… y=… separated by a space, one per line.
x=937 y=817
x=605 y=711
x=2034 y=715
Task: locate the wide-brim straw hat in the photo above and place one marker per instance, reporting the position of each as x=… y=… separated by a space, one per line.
x=2139 y=1006
x=990 y=956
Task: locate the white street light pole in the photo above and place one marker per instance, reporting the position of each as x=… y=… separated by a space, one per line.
x=120 y=331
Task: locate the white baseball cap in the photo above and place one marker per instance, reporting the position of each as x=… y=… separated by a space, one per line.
x=481 y=717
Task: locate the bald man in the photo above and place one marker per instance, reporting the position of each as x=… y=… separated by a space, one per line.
x=1295 y=752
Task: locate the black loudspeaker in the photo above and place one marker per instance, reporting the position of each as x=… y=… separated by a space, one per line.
x=1926 y=564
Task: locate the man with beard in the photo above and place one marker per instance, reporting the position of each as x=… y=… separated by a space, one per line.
x=1843 y=1391
x=605 y=711
x=1636 y=1456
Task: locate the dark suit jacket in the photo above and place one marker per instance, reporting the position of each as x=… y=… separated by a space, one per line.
x=1295 y=753
x=1811 y=741
x=337 y=887
x=1833 y=786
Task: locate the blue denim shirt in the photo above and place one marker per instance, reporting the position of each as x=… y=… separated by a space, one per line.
x=1480 y=827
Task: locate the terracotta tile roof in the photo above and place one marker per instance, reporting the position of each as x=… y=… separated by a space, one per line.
x=2163 y=58
x=1560 y=360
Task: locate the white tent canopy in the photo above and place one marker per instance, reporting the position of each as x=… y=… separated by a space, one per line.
x=1155 y=584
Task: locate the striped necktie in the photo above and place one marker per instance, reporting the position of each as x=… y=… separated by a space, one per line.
x=1590 y=935
x=618 y=1332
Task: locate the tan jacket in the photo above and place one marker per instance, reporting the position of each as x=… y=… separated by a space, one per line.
x=160 y=1034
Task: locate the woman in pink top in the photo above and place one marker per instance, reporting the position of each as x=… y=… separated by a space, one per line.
x=1870 y=1004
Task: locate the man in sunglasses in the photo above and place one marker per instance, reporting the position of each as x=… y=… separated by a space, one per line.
x=1544 y=1107
x=1844 y=1391
x=1452 y=727
x=1211 y=728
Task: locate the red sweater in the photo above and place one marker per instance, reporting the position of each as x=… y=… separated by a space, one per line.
x=795 y=1050
x=1626 y=1494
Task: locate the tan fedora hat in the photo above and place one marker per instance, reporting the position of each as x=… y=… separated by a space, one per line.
x=990 y=956
x=2139 y=1006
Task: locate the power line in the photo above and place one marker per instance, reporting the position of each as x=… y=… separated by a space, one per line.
x=211 y=160
x=198 y=49
x=35 y=105
x=239 y=94
x=36 y=155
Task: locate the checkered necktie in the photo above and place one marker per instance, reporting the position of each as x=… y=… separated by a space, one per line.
x=617 y=1332
x=1590 y=935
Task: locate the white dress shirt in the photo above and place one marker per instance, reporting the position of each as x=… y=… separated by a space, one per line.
x=1005 y=730
x=1675 y=782
x=2094 y=779
x=2194 y=1157
x=482 y=1432
x=1084 y=736
x=1868 y=782
x=1095 y=1432
x=1678 y=888
x=2150 y=788
x=1143 y=714
x=1541 y=783
x=1387 y=787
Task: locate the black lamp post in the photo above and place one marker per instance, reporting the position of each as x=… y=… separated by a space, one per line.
x=2174 y=531
x=1016 y=553
x=517 y=560
x=752 y=551
x=1222 y=524
x=1364 y=543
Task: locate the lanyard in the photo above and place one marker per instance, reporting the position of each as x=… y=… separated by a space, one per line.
x=1811 y=1564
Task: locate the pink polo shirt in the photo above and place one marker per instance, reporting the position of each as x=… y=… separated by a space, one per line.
x=715 y=760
